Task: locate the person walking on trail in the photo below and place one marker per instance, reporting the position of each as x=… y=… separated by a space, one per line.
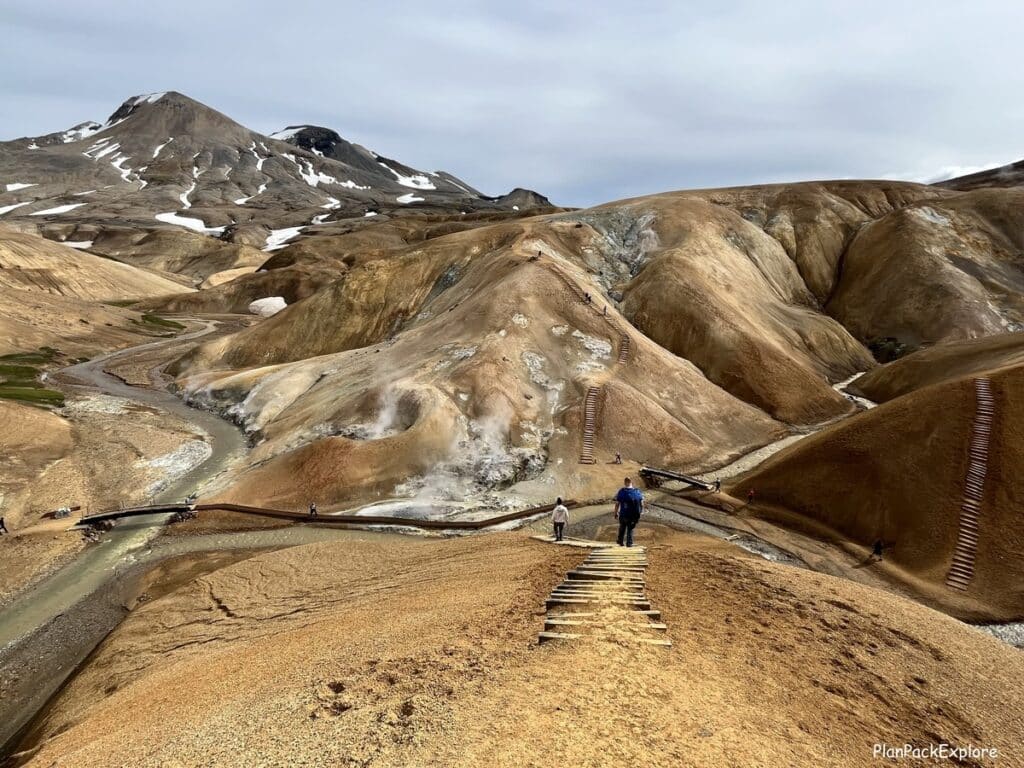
x=312 y=509
x=3 y=526
x=629 y=505
x=876 y=551
x=559 y=518
x=750 y=496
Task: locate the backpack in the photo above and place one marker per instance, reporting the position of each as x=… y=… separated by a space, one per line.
x=629 y=502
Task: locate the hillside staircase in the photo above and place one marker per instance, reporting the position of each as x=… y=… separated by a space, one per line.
x=605 y=598
x=961 y=570
x=590 y=405
x=623 y=349
x=592 y=399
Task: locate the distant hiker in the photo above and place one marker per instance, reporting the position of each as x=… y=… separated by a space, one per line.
x=559 y=518
x=618 y=458
x=586 y=298
x=876 y=551
x=3 y=526
x=750 y=496
x=604 y=312
x=718 y=486
x=312 y=509
x=629 y=505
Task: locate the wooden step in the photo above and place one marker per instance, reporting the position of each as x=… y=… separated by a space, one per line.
x=554 y=602
x=547 y=637
x=556 y=624
x=599 y=595
x=588 y=575
x=653 y=614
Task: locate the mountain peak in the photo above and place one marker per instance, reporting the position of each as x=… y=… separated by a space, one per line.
x=161 y=154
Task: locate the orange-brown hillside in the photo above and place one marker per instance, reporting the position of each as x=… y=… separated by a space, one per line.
x=943 y=362
x=897 y=473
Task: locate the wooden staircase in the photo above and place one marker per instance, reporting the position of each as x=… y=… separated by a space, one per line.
x=592 y=400
x=961 y=570
x=589 y=424
x=605 y=597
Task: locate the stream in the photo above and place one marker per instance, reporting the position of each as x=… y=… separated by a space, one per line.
x=48 y=629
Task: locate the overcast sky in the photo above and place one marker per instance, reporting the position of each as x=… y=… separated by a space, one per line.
x=585 y=101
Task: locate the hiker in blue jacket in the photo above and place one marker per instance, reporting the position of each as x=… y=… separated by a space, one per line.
x=629 y=505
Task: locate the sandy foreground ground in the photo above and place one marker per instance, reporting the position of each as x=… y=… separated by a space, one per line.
x=424 y=652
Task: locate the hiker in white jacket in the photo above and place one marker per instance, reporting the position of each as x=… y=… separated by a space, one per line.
x=559 y=518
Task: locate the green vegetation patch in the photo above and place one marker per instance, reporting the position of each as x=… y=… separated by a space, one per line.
x=162 y=322
x=13 y=371
x=19 y=377
x=37 y=395
x=44 y=355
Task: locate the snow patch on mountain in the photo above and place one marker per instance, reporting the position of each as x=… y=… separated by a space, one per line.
x=311 y=176
x=278 y=238
x=8 y=208
x=102 y=148
x=185 y=202
x=148 y=98
x=18 y=185
x=244 y=200
x=417 y=181
x=287 y=133
x=197 y=225
x=118 y=162
x=159 y=149
x=267 y=307
x=57 y=210
x=408 y=197
x=80 y=132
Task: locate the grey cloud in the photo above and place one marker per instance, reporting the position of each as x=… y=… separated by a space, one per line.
x=583 y=102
